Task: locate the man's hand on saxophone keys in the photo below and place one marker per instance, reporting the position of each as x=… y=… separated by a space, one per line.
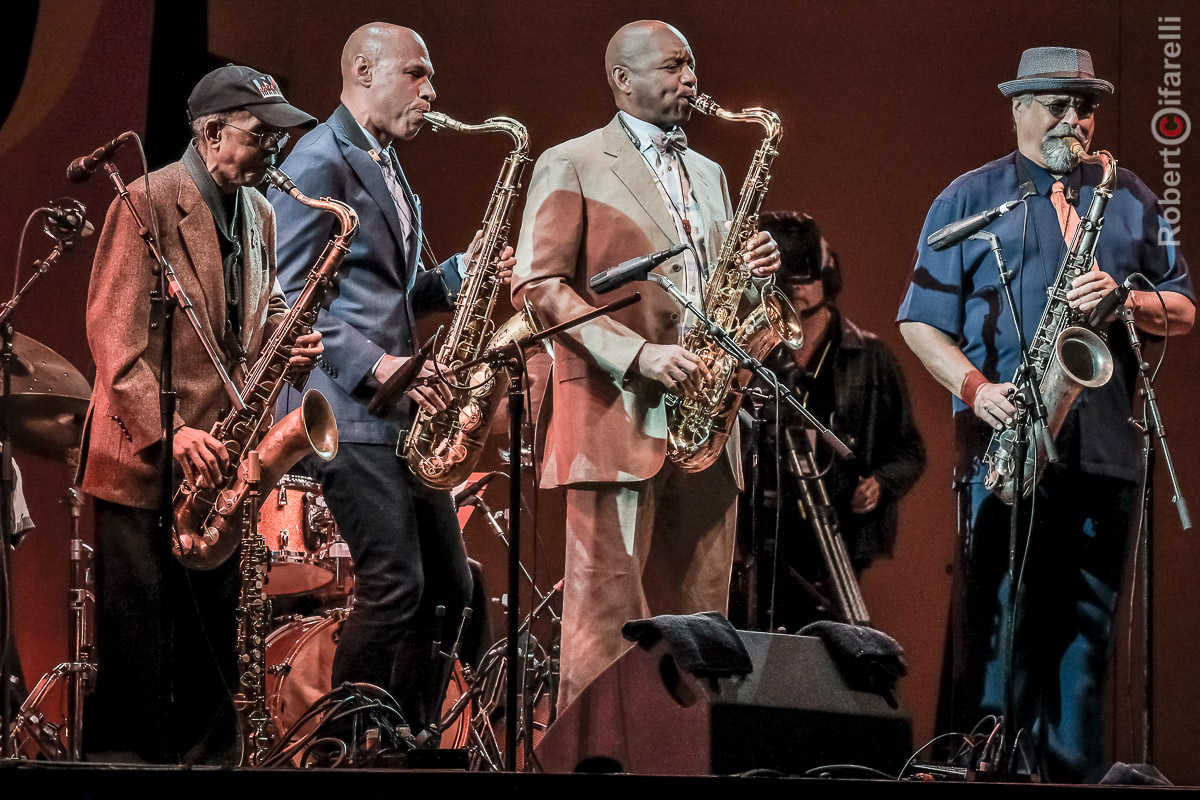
x=761 y=255
x=506 y=261
x=1088 y=289
x=202 y=457
x=434 y=397
x=994 y=405
x=678 y=370
x=304 y=353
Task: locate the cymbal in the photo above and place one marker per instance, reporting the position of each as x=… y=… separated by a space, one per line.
x=48 y=400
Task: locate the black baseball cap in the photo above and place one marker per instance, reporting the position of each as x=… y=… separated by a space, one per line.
x=232 y=87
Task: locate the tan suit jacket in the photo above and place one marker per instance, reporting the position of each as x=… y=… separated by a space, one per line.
x=592 y=204
x=120 y=459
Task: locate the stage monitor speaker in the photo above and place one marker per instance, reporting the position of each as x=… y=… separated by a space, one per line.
x=794 y=712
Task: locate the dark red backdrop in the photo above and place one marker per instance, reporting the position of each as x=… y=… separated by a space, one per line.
x=882 y=105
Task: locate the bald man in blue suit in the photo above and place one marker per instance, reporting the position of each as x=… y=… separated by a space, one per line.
x=404 y=536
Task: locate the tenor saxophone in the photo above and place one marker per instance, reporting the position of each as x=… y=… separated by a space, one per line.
x=1066 y=357
x=442 y=448
x=211 y=516
x=699 y=424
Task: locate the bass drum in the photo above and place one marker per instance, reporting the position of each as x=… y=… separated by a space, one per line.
x=299 y=670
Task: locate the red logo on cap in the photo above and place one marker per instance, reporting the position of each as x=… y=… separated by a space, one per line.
x=267 y=87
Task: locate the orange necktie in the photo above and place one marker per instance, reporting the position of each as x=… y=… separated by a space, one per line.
x=1068 y=217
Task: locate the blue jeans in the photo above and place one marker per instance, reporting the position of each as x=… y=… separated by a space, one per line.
x=1067 y=593
x=408 y=559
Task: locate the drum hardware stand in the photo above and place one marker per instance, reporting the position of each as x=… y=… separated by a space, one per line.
x=492 y=517
x=1154 y=428
x=64 y=239
x=483 y=686
x=54 y=742
x=80 y=670
x=444 y=666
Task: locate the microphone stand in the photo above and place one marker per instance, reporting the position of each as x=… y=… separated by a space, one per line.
x=511 y=358
x=171 y=295
x=1157 y=430
x=1156 y=423
x=7 y=485
x=1031 y=415
x=729 y=345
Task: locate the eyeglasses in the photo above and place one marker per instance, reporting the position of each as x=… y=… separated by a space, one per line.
x=1084 y=106
x=269 y=141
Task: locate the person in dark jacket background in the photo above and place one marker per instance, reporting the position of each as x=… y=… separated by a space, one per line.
x=849 y=380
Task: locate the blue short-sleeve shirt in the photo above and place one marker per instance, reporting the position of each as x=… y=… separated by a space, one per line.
x=958 y=291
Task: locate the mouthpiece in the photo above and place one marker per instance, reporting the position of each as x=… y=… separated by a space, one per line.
x=1074 y=145
x=280 y=180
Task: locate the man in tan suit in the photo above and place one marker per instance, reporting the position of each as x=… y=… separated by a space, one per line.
x=643 y=537
x=166 y=636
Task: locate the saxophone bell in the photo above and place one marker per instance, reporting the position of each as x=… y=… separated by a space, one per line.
x=311 y=428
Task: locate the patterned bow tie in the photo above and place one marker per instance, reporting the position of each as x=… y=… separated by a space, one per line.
x=668 y=143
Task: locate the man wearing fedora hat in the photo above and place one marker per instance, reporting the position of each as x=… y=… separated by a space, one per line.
x=166 y=636
x=954 y=318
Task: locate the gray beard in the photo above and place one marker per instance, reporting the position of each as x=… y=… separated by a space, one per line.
x=1059 y=159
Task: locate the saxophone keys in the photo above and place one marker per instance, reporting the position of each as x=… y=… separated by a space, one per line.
x=470 y=416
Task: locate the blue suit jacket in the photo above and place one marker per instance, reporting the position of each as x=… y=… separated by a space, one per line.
x=381 y=286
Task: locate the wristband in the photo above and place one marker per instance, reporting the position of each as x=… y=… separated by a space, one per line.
x=973 y=381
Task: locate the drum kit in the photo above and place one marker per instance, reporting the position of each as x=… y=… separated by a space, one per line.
x=309 y=567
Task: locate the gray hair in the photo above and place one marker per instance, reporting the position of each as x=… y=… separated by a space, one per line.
x=199 y=123
x=1026 y=99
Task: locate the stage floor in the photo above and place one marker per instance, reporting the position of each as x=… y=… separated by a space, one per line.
x=39 y=779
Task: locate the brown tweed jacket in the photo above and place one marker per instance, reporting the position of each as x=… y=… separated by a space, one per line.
x=122 y=434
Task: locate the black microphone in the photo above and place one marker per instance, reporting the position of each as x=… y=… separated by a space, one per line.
x=82 y=168
x=401 y=380
x=955 y=232
x=65 y=220
x=634 y=269
x=471 y=489
x=1110 y=302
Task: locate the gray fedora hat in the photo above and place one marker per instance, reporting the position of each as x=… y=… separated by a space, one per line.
x=1055 y=69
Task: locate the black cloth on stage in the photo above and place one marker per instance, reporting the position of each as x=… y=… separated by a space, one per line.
x=705 y=644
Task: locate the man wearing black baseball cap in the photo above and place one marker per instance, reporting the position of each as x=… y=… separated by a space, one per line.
x=955 y=318
x=166 y=638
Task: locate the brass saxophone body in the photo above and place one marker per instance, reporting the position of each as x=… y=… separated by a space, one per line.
x=212 y=516
x=699 y=425
x=1066 y=356
x=441 y=449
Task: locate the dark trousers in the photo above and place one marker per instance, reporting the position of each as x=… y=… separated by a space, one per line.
x=408 y=559
x=165 y=642
x=1063 y=616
